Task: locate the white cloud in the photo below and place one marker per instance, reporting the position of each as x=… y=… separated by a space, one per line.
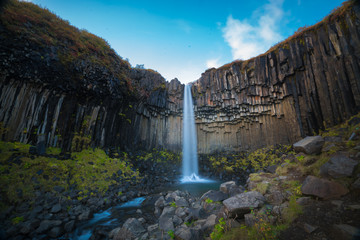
x=250 y=38
x=212 y=63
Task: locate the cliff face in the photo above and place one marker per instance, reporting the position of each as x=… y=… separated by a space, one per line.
x=301 y=86
x=75 y=92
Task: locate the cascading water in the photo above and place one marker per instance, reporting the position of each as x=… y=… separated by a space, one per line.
x=190 y=161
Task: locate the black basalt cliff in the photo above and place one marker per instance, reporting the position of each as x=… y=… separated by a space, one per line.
x=70 y=88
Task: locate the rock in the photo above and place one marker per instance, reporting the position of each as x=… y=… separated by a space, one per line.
x=177 y=220
x=339 y=166
x=180 y=212
x=350 y=231
x=354 y=207
x=275 y=197
x=322 y=188
x=271 y=169
x=309 y=145
x=181 y=202
x=356 y=184
x=138 y=211
x=142 y=220
x=47 y=224
x=122 y=234
x=114 y=232
x=215 y=196
x=160 y=203
x=183 y=233
x=29 y=226
x=337 y=203
x=210 y=223
x=134 y=226
x=152 y=228
x=242 y=203
x=225 y=187
x=250 y=219
x=56 y=208
x=303 y=201
x=166 y=223
x=55 y=232
x=41 y=144
x=59 y=189
x=85 y=215
x=69 y=226
x=309 y=229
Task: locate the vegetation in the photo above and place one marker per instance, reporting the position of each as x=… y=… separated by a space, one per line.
x=219 y=230
x=89 y=171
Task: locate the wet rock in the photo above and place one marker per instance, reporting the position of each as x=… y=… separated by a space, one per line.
x=47 y=224
x=242 y=203
x=69 y=226
x=134 y=226
x=85 y=215
x=29 y=226
x=55 y=232
x=215 y=196
x=56 y=208
x=339 y=166
x=309 y=145
x=322 y=188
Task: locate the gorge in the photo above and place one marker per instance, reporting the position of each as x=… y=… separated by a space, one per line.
x=83 y=132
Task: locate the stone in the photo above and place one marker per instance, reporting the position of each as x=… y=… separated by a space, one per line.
x=348 y=230
x=215 y=196
x=166 y=223
x=339 y=166
x=309 y=229
x=47 y=224
x=114 y=232
x=142 y=220
x=181 y=202
x=138 y=211
x=134 y=226
x=177 y=220
x=356 y=184
x=122 y=234
x=242 y=203
x=152 y=228
x=354 y=207
x=275 y=197
x=56 y=208
x=322 y=188
x=250 y=219
x=69 y=226
x=183 y=233
x=271 y=169
x=209 y=223
x=160 y=202
x=303 y=201
x=180 y=212
x=225 y=187
x=85 y=215
x=55 y=232
x=337 y=203
x=309 y=145
x=41 y=144
x=29 y=226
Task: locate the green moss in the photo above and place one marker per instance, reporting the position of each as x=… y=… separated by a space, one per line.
x=17 y=220
x=53 y=151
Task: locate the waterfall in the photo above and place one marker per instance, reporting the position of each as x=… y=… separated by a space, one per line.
x=190 y=161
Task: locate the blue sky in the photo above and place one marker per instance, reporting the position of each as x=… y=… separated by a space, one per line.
x=184 y=38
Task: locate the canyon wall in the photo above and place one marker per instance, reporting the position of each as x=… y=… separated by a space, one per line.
x=56 y=94
x=304 y=84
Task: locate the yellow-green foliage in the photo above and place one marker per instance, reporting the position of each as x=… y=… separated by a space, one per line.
x=293 y=211
x=53 y=150
x=89 y=170
x=265 y=157
x=17 y=220
x=159 y=156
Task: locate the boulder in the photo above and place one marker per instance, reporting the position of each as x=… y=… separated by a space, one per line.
x=242 y=203
x=181 y=202
x=322 y=188
x=309 y=145
x=69 y=226
x=356 y=184
x=349 y=232
x=225 y=187
x=56 y=208
x=152 y=228
x=183 y=232
x=215 y=196
x=47 y=224
x=339 y=166
x=134 y=226
x=165 y=220
x=209 y=223
x=56 y=232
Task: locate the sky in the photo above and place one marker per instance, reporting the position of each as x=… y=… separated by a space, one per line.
x=181 y=39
